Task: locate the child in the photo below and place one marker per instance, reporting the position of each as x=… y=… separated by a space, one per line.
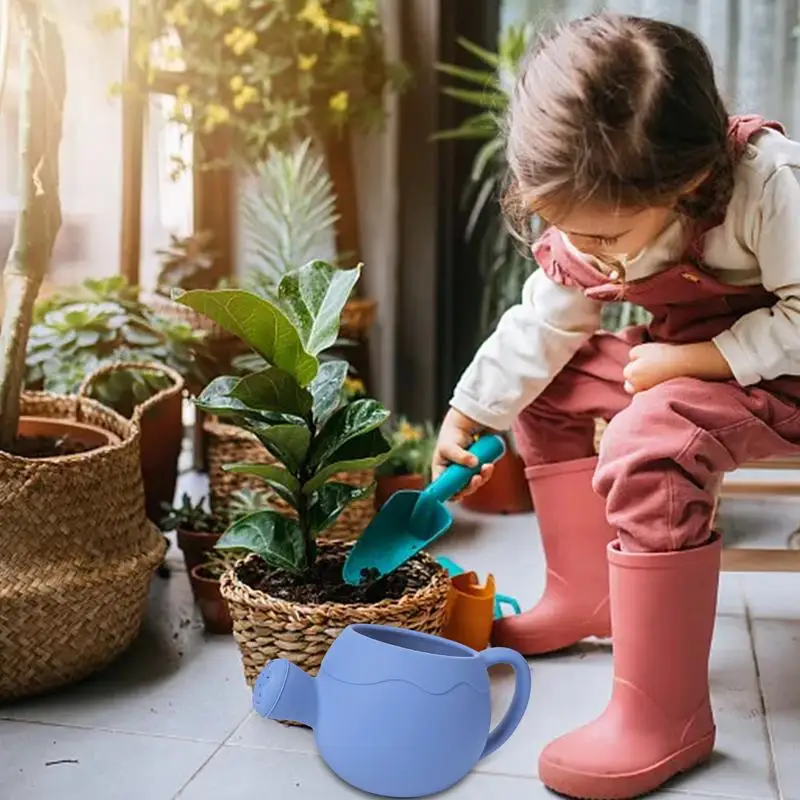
x=617 y=136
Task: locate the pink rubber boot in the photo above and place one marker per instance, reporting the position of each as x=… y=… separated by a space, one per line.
x=575 y=535
x=659 y=721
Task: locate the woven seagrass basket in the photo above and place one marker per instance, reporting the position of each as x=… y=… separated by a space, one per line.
x=266 y=628
x=76 y=553
x=160 y=419
x=228 y=444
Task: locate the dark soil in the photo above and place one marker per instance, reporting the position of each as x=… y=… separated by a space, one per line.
x=323 y=582
x=48 y=447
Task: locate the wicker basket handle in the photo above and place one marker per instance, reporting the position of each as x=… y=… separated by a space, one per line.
x=178 y=382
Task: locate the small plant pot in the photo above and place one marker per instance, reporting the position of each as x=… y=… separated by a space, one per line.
x=387 y=485
x=506 y=493
x=206 y=591
x=194 y=545
x=470 y=611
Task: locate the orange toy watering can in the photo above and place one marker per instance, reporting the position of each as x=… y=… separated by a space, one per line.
x=470 y=610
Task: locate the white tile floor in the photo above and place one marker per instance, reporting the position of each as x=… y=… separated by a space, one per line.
x=171 y=718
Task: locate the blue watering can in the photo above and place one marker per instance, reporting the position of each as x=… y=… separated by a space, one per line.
x=396 y=713
x=411 y=520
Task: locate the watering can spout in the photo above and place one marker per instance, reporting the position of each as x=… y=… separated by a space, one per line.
x=284 y=692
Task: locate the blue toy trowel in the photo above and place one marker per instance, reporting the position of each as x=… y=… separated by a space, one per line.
x=411 y=520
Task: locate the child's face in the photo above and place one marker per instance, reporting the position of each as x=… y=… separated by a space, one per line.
x=615 y=233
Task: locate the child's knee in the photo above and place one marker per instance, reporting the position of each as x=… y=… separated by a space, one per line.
x=650 y=499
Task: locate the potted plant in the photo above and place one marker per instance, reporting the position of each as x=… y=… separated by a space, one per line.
x=198 y=529
x=288 y=599
x=99 y=340
x=76 y=552
x=205 y=580
x=409 y=463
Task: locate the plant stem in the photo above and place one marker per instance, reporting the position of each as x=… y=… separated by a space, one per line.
x=42 y=92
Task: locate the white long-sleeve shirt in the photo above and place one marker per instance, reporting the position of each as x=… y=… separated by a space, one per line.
x=758 y=243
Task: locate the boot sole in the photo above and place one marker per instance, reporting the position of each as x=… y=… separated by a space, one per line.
x=586 y=786
x=530 y=646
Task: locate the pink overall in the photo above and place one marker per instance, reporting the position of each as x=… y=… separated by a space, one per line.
x=665 y=449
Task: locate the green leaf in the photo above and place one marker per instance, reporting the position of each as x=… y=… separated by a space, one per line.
x=261 y=324
x=365 y=452
x=288 y=443
x=355 y=419
x=479 y=76
x=274 y=537
x=285 y=485
x=216 y=399
x=273 y=390
x=327 y=389
x=313 y=298
x=488 y=99
x=487 y=56
x=330 y=500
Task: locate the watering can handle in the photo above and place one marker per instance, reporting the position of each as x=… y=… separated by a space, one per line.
x=519 y=702
x=456 y=478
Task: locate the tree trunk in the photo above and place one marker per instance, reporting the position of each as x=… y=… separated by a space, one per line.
x=42 y=91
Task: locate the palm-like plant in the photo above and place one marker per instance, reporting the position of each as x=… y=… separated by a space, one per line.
x=287 y=215
x=504 y=263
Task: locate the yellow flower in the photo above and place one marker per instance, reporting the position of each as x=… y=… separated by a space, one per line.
x=306 y=63
x=240 y=41
x=247 y=95
x=409 y=433
x=347 y=30
x=221 y=7
x=339 y=102
x=236 y=83
x=354 y=386
x=177 y=15
x=182 y=92
x=314 y=14
x=215 y=116
x=115 y=89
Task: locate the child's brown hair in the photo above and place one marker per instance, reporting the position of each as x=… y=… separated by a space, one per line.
x=620 y=111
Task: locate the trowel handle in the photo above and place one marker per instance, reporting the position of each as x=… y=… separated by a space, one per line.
x=456 y=478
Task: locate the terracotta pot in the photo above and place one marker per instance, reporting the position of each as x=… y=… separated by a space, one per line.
x=194 y=545
x=387 y=485
x=216 y=617
x=90 y=436
x=506 y=493
x=161 y=442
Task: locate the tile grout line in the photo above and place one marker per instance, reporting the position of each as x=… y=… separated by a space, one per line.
x=198 y=771
x=773 y=762
x=222 y=744
x=103 y=729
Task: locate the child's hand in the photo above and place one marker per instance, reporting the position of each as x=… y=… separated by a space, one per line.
x=456 y=435
x=653 y=363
